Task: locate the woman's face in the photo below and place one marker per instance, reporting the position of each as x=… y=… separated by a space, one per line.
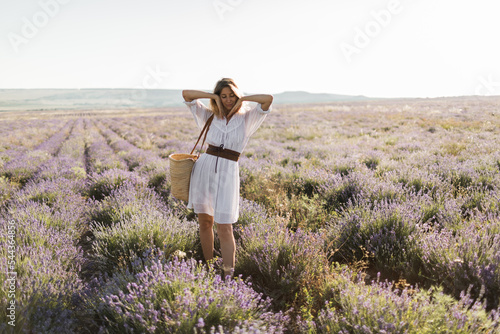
x=228 y=98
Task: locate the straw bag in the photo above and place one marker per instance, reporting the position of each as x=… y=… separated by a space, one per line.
x=181 y=165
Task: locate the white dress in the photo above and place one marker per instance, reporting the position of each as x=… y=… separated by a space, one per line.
x=218 y=194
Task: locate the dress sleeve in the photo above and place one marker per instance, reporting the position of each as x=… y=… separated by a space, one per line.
x=200 y=112
x=254 y=118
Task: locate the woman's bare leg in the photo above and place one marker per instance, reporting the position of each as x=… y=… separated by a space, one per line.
x=228 y=247
x=206 y=235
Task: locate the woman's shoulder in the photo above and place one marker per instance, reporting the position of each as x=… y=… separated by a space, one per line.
x=246 y=107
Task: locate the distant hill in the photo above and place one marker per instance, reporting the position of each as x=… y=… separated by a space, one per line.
x=45 y=99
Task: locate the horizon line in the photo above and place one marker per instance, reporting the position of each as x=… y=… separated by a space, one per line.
x=285 y=91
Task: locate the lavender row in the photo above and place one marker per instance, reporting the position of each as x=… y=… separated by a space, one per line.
x=141 y=138
x=48 y=216
x=26 y=134
x=136 y=158
x=171 y=131
x=53 y=144
x=22 y=166
x=139 y=161
x=69 y=162
x=100 y=156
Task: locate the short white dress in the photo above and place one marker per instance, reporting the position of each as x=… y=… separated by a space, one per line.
x=218 y=193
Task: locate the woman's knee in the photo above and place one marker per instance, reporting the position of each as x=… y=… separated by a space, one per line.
x=225 y=231
x=206 y=221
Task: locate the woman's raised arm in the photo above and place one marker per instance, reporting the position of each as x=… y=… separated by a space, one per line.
x=264 y=99
x=190 y=95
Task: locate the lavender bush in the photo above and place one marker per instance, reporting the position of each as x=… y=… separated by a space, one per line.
x=384 y=232
x=61 y=194
x=466 y=259
x=22 y=169
x=102 y=184
x=181 y=297
x=124 y=201
x=6 y=190
x=114 y=246
x=288 y=266
x=382 y=307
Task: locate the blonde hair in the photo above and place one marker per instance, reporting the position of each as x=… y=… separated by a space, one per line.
x=221 y=84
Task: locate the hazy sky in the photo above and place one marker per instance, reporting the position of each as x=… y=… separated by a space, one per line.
x=390 y=48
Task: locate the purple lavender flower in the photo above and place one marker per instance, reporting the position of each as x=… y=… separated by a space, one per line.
x=184 y=296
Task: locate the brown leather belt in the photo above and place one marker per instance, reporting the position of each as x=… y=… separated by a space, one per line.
x=221 y=152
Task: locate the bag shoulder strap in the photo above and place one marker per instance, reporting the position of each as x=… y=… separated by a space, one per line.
x=205 y=129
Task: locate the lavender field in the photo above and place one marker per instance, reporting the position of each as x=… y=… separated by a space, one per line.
x=361 y=217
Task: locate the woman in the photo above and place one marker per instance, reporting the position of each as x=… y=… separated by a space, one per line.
x=215 y=182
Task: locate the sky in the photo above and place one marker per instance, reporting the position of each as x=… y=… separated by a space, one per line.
x=389 y=48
